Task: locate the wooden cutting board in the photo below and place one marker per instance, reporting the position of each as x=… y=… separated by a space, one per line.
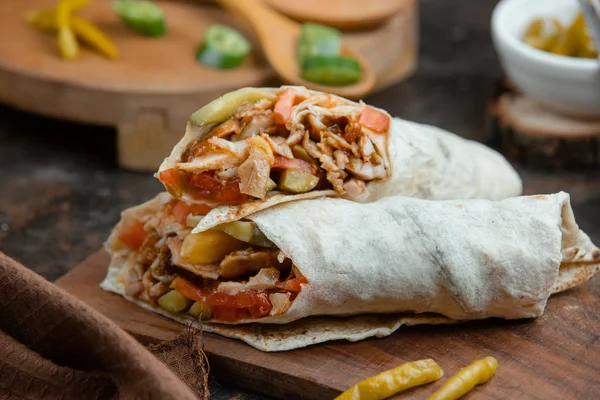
x=556 y=356
x=149 y=92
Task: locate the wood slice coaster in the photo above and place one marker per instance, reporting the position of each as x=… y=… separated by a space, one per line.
x=530 y=133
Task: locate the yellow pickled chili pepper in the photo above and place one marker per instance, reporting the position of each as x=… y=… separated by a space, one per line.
x=395 y=380
x=88 y=33
x=67 y=42
x=536 y=36
x=76 y=5
x=535 y=28
x=466 y=379
x=585 y=43
x=565 y=44
x=573 y=40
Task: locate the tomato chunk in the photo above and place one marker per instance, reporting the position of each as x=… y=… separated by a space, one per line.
x=133 y=234
x=229 y=193
x=262 y=307
x=229 y=314
x=204 y=180
x=169 y=177
x=211 y=188
x=243 y=299
x=282 y=111
x=181 y=210
x=293 y=163
x=374 y=119
x=189 y=290
x=293 y=285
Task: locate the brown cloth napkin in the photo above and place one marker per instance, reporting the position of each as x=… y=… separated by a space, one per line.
x=52 y=346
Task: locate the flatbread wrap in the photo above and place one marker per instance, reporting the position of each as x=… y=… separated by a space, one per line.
x=257 y=147
x=431 y=261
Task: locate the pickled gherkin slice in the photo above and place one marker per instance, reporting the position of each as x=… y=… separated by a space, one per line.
x=222 y=108
x=271 y=185
x=296 y=181
x=319 y=40
x=246 y=231
x=200 y=310
x=174 y=302
x=301 y=153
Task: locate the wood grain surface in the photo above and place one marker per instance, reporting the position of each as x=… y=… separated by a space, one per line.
x=156 y=79
x=556 y=356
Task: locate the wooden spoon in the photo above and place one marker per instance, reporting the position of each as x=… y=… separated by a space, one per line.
x=278 y=36
x=341 y=14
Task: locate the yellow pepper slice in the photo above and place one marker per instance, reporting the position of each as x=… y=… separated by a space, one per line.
x=76 y=5
x=570 y=40
x=585 y=44
x=573 y=40
x=541 y=42
x=537 y=36
x=88 y=33
x=534 y=28
x=395 y=380
x=466 y=379
x=67 y=43
x=94 y=37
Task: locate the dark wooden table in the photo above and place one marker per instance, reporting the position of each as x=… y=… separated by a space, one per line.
x=61 y=192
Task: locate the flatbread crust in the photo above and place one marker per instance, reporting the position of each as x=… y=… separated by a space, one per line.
x=556 y=255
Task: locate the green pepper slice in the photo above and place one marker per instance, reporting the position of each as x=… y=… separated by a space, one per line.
x=331 y=70
x=318 y=40
x=222 y=48
x=144 y=17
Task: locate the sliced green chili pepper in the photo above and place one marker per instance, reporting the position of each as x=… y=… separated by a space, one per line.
x=144 y=17
x=222 y=48
x=318 y=40
x=331 y=70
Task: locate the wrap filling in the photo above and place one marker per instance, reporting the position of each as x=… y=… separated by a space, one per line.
x=226 y=274
x=298 y=142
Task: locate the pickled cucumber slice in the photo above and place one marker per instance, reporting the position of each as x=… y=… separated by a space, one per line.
x=222 y=48
x=296 y=181
x=200 y=310
x=318 y=40
x=222 y=108
x=246 y=231
x=174 y=302
x=271 y=185
x=301 y=153
x=331 y=70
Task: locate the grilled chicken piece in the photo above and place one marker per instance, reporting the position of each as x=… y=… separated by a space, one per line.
x=254 y=172
x=279 y=145
x=354 y=187
x=280 y=301
x=242 y=262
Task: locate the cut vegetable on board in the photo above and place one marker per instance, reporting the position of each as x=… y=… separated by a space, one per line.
x=466 y=379
x=222 y=48
x=70 y=29
x=142 y=16
x=320 y=60
x=396 y=380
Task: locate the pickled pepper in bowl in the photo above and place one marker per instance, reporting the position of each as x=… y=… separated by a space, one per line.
x=572 y=40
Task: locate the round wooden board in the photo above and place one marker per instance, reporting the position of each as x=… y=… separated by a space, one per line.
x=153 y=87
x=528 y=132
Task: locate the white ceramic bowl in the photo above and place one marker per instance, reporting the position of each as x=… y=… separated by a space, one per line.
x=567 y=84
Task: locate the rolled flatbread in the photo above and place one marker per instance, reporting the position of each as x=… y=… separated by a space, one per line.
x=257 y=147
x=356 y=265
